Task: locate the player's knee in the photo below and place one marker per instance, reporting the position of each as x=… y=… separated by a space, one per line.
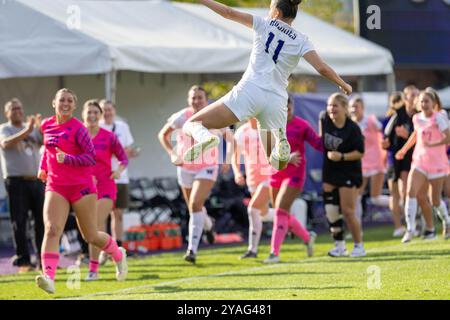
x=187 y=127
x=53 y=230
x=348 y=212
x=195 y=206
x=333 y=214
x=91 y=237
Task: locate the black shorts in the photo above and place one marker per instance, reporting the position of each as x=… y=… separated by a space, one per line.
x=123 y=196
x=343 y=180
x=399 y=166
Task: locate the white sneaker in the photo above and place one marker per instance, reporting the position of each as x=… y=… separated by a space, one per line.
x=92 y=276
x=358 y=251
x=45 y=283
x=122 y=266
x=310 y=244
x=338 y=252
x=280 y=153
x=272 y=259
x=200 y=147
x=103 y=258
x=399 y=232
x=408 y=236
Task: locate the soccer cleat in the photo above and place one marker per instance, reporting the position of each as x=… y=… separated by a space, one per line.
x=197 y=149
x=338 y=252
x=358 y=251
x=429 y=235
x=210 y=237
x=190 y=257
x=92 y=276
x=103 y=258
x=273 y=258
x=408 y=236
x=45 y=283
x=280 y=153
x=399 y=232
x=122 y=266
x=248 y=254
x=310 y=244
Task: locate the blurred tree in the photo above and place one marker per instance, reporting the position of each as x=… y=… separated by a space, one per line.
x=327 y=10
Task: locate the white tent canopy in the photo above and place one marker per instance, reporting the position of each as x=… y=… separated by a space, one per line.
x=36 y=39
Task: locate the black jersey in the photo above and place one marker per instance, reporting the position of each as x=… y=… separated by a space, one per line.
x=399 y=118
x=346 y=139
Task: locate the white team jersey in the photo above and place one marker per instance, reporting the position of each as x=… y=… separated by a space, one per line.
x=277 y=49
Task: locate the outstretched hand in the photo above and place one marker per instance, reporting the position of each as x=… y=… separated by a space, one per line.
x=347 y=89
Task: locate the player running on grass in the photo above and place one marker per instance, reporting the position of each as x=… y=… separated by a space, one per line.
x=431 y=135
x=257 y=175
x=196 y=178
x=66 y=167
x=261 y=93
x=286 y=185
x=106 y=145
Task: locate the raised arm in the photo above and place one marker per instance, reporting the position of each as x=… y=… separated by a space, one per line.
x=229 y=13
x=314 y=139
x=11 y=141
x=326 y=71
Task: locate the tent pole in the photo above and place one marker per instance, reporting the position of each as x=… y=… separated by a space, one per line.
x=390 y=83
x=356 y=18
x=111 y=85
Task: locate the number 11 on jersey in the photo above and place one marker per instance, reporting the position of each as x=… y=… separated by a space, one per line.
x=278 y=48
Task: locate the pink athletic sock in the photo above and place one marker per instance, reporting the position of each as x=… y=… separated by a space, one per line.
x=49 y=264
x=296 y=227
x=112 y=249
x=280 y=228
x=93 y=266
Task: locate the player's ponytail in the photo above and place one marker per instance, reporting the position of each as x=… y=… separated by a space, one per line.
x=288 y=8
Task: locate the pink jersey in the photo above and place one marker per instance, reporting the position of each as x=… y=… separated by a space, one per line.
x=72 y=138
x=257 y=168
x=184 y=142
x=431 y=159
x=298 y=132
x=106 y=145
x=374 y=155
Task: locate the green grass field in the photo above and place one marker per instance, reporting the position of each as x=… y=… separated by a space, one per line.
x=418 y=270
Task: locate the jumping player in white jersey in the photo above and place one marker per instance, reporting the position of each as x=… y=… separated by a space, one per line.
x=261 y=93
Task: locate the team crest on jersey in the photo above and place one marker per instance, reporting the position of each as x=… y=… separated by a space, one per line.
x=331 y=142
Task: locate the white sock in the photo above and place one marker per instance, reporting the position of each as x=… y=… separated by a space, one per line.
x=207 y=222
x=196 y=130
x=299 y=209
x=255 y=228
x=442 y=212
x=268 y=217
x=381 y=200
x=340 y=244
x=195 y=230
x=359 y=208
x=410 y=213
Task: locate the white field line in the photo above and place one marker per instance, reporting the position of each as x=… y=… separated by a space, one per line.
x=272 y=266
